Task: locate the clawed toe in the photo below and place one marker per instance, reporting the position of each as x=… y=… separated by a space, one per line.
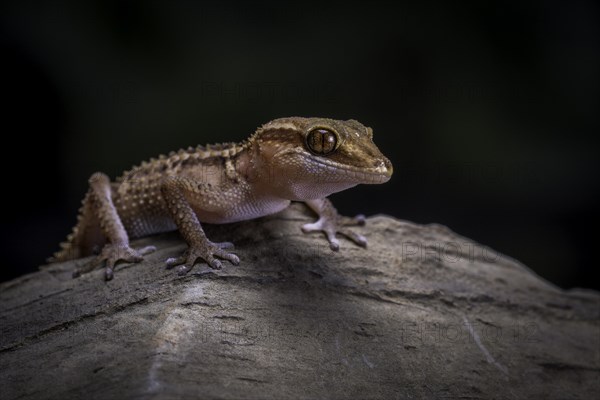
x=355 y=237
x=330 y=227
x=174 y=261
x=182 y=270
x=208 y=253
x=147 y=250
x=358 y=220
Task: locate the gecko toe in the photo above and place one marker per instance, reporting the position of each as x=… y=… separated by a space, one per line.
x=334 y=244
x=355 y=237
x=147 y=250
x=232 y=258
x=209 y=252
x=183 y=270
x=110 y=266
x=358 y=220
x=174 y=261
x=214 y=263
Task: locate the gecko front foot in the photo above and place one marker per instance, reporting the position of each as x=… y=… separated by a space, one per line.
x=333 y=224
x=208 y=252
x=111 y=254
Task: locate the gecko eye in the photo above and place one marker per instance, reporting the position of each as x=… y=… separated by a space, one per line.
x=321 y=141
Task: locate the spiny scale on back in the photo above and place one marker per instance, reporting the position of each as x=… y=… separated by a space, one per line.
x=176 y=160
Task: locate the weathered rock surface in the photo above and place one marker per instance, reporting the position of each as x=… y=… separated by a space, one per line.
x=422 y=313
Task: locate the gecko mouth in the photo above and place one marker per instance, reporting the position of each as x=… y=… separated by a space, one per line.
x=380 y=174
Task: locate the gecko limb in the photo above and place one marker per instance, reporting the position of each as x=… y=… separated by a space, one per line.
x=112 y=228
x=331 y=223
x=176 y=191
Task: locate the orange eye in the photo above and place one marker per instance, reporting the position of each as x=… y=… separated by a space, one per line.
x=321 y=141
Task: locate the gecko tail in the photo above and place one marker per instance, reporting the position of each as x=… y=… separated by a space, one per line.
x=86 y=238
x=68 y=251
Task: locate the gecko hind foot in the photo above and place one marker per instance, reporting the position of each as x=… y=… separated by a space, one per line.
x=208 y=253
x=110 y=255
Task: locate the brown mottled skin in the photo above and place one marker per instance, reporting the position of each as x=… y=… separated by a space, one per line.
x=300 y=159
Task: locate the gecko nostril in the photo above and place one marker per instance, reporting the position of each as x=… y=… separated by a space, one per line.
x=385 y=166
x=381 y=164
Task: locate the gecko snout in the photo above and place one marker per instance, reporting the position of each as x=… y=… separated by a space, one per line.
x=384 y=166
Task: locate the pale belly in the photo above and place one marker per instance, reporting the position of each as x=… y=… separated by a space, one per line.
x=151 y=220
x=152 y=223
x=246 y=211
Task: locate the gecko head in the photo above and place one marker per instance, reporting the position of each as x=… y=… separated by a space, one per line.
x=313 y=157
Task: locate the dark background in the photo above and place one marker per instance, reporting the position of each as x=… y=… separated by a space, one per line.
x=488 y=110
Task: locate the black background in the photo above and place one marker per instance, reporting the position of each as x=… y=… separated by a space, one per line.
x=488 y=110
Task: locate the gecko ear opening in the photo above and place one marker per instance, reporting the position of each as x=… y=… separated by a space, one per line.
x=322 y=141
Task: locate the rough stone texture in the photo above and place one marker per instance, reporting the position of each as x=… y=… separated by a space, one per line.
x=423 y=313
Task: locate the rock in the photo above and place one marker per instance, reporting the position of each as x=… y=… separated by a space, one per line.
x=422 y=313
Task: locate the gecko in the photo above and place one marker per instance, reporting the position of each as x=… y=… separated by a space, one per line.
x=285 y=160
